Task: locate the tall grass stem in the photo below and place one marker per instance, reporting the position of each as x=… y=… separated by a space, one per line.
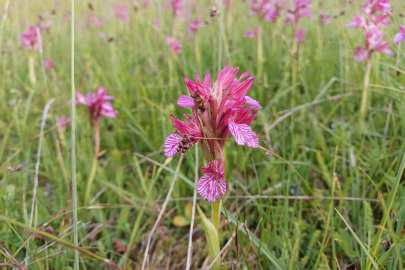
x=73 y=139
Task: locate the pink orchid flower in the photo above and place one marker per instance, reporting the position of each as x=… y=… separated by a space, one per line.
x=357 y=22
x=30 y=38
x=44 y=25
x=178 y=7
x=252 y=33
x=195 y=24
x=48 y=64
x=299 y=36
x=96 y=105
x=268 y=9
x=158 y=26
x=400 y=37
x=218 y=110
x=173 y=44
x=302 y=8
x=376 y=17
x=93 y=21
x=121 y=12
x=62 y=123
x=324 y=18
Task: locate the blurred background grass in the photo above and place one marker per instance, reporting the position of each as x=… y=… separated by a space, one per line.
x=312 y=124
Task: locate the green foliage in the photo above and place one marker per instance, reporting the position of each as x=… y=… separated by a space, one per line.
x=303 y=122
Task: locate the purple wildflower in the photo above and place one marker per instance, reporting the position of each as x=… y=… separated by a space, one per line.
x=218 y=110
x=96 y=105
x=173 y=44
x=400 y=37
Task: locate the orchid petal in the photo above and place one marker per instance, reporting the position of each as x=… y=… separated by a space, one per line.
x=80 y=99
x=171 y=144
x=252 y=102
x=185 y=101
x=243 y=134
x=207 y=187
x=399 y=38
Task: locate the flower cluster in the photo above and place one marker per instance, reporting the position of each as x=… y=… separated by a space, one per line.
x=324 y=18
x=252 y=33
x=268 y=9
x=178 y=7
x=29 y=38
x=121 y=12
x=375 y=16
x=194 y=25
x=173 y=44
x=96 y=105
x=217 y=111
x=302 y=8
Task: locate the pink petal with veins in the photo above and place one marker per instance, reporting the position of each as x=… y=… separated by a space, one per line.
x=252 y=102
x=171 y=144
x=185 y=101
x=243 y=134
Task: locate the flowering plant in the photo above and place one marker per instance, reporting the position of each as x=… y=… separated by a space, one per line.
x=217 y=111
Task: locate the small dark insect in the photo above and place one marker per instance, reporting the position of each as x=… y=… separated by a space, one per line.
x=398 y=73
x=136 y=9
x=111 y=39
x=401 y=15
x=342 y=13
x=91 y=7
x=199 y=103
x=53 y=12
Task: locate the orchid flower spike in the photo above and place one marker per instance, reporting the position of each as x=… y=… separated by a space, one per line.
x=218 y=110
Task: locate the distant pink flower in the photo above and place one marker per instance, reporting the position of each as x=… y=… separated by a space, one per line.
x=376 y=17
x=44 y=25
x=218 y=110
x=195 y=25
x=302 y=8
x=121 y=12
x=96 y=105
x=268 y=9
x=357 y=22
x=360 y=54
x=62 y=123
x=252 y=33
x=177 y=6
x=173 y=44
x=93 y=21
x=383 y=48
x=158 y=25
x=324 y=18
x=299 y=36
x=30 y=38
x=400 y=37
x=48 y=64
x=67 y=16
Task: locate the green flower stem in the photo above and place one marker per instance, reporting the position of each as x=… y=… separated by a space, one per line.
x=364 y=97
x=95 y=161
x=260 y=58
x=211 y=233
x=31 y=68
x=216 y=214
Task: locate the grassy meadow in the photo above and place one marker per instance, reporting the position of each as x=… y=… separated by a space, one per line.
x=328 y=193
